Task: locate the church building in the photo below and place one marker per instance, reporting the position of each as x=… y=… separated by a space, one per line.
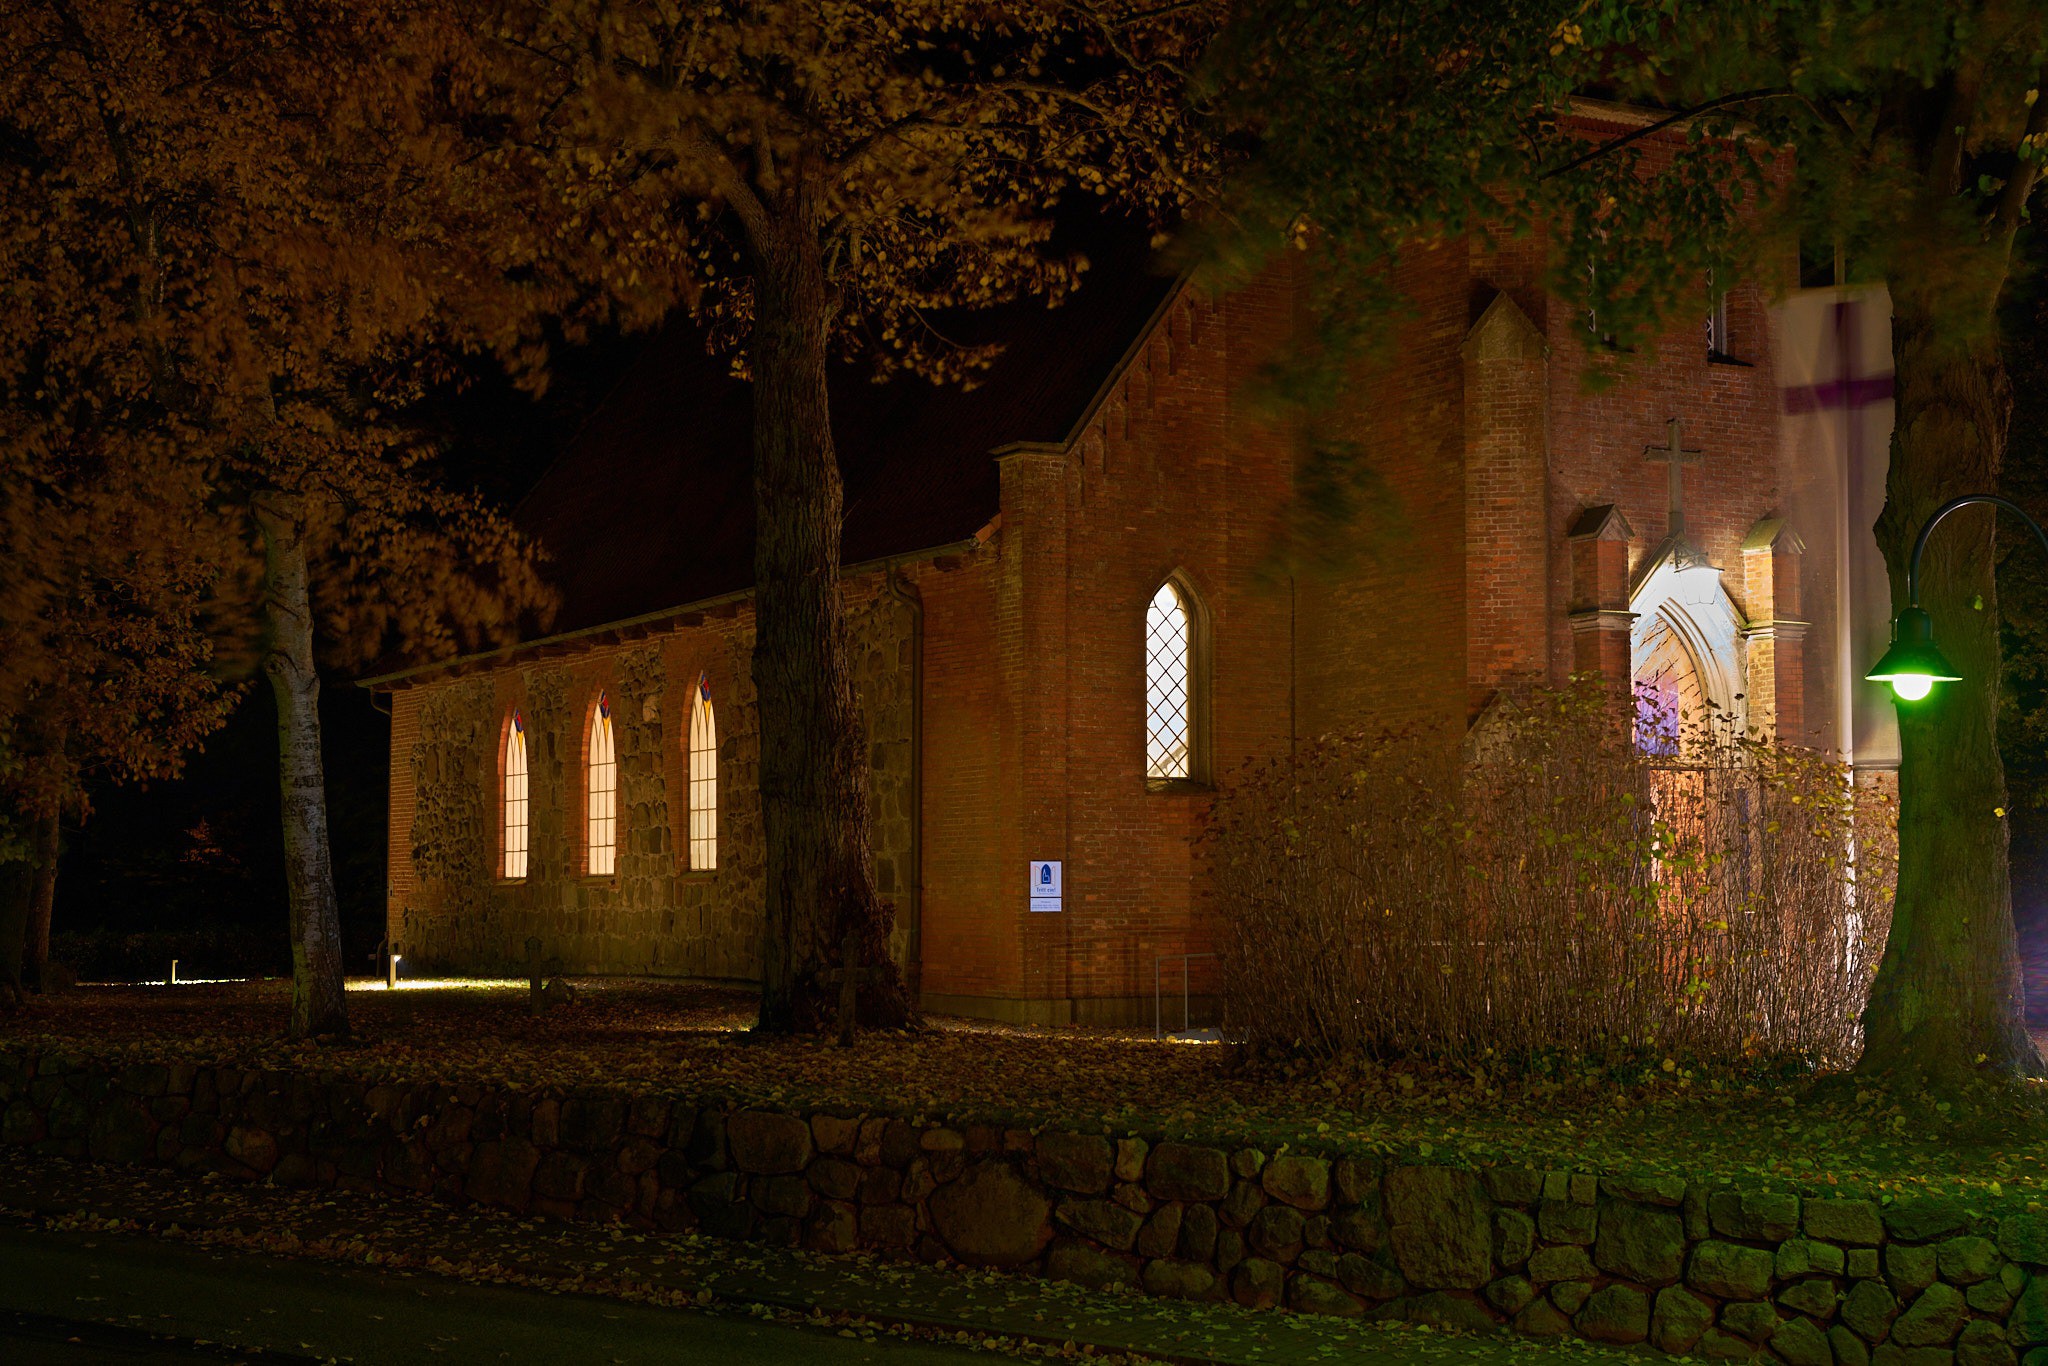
x=1071 y=621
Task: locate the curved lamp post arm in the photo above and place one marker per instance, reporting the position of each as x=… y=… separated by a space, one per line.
x=1914 y=664
x=1927 y=529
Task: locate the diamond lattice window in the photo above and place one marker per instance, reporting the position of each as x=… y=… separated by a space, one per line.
x=703 y=780
x=1169 y=694
x=602 y=825
x=515 y=798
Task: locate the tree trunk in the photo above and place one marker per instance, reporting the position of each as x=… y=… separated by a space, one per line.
x=42 y=899
x=814 y=763
x=1948 y=1000
x=318 y=1005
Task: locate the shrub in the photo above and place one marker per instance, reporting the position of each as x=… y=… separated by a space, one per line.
x=1543 y=885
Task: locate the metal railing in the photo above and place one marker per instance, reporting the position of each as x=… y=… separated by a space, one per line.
x=1184 y=959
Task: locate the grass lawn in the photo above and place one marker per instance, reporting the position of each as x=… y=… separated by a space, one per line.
x=1663 y=1115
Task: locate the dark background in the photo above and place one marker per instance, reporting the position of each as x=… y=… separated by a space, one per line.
x=193 y=868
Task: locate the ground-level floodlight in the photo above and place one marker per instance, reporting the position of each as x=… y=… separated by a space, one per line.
x=1914 y=664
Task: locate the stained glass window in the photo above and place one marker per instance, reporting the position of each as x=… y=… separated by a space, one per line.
x=703 y=780
x=1169 y=686
x=601 y=826
x=515 y=797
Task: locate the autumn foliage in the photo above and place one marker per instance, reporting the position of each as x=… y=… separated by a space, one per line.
x=228 y=267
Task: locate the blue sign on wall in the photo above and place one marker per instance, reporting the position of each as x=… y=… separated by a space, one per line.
x=1044 y=885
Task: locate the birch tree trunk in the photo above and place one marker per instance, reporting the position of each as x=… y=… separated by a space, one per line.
x=318 y=1005
x=814 y=762
x=1948 y=1001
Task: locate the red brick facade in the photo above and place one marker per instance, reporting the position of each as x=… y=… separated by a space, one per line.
x=1512 y=523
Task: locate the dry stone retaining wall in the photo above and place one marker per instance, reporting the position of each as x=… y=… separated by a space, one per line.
x=1688 y=1267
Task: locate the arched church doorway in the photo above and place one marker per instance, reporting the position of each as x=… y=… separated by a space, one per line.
x=1669 y=696
x=1686 y=654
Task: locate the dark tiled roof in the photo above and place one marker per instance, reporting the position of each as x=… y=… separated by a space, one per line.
x=651 y=506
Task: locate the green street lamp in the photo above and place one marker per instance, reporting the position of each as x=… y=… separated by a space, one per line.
x=1914 y=664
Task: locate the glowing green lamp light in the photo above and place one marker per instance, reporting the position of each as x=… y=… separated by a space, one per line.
x=1914 y=664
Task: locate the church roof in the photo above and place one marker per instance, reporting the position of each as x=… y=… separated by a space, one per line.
x=651 y=506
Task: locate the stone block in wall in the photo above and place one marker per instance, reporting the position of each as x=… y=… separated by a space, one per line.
x=1276 y=1233
x=1853 y=1223
x=1678 y=1319
x=1917 y=1221
x=1504 y=1185
x=1303 y=1182
x=1730 y=1270
x=1800 y=1342
x=1314 y=1295
x=1105 y=1221
x=1618 y=1314
x=1641 y=1243
x=1754 y=1216
x=992 y=1216
x=767 y=1142
x=1562 y=1221
x=1257 y=1283
x=502 y=1173
x=1909 y=1269
x=1869 y=1309
x=2024 y=1238
x=1161 y=1234
x=1800 y=1256
x=1082 y=1163
x=1180 y=1171
x=1178 y=1280
x=1440 y=1226
x=1199 y=1228
x=835 y=1134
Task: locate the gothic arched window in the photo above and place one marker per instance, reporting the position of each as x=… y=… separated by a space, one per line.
x=1173 y=685
x=703 y=780
x=601 y=826
x=516 y=807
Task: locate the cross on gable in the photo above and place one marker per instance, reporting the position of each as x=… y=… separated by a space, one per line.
x=1674 y=454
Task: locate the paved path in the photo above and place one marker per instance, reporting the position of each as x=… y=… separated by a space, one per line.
x=307 y=1311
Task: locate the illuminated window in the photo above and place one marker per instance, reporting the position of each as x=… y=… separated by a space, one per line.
x=1169 y=685
x=703 y=780
x=601 y=825
x=515 y=797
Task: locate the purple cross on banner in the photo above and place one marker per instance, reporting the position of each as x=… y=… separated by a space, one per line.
x=1848 y=390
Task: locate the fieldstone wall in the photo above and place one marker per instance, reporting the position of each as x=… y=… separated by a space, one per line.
x=1689 y=1267
x=654 y=915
